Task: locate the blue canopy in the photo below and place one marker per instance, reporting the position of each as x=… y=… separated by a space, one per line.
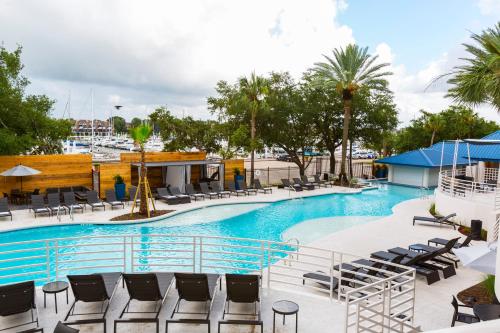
x=486 y=149
x=428 y=157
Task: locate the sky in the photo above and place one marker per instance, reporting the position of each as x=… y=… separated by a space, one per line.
x=145 y=54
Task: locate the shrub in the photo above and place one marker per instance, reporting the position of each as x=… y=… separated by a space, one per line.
x=118 y=179
x=489 y=285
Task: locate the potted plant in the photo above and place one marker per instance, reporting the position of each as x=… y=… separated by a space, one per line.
x=237 y=176
x=119 y=187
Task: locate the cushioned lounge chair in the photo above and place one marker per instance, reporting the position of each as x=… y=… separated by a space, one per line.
x=189 y=188
x=93 y=200
x=205 y=190
x=307 y=186
x=132 y=191
x=38 y=205
x=70 y=202
x=183 y=198
x=16 y=299
x=243 y=185
x=232 y=188
x=164 y=194
x=54 y=203
x=193 y=287
x=60 y=328
x=319 y=182
x=258 y=186
x=306 y=181
x=145 y=287
x=289 y=186
x=93 y=288
x=446 y=250
x=438 y=220
x=242 y=289
x=215 y=186
x=443 y=242
x=4 y=208
x=112 y=201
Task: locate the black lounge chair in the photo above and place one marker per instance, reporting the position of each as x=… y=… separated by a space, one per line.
x=305 y=181
x=93 y=288
x=439 y=220
x=132 y=191
x=317 y=180
x=70 y=202
x=205 y=190
x=461 y=316
x=446 y=249
x=434 y=260
x=81 y=192
x=93 y=200
x=215 y=185
x=307 y=186
x=194 y=287
x=321 y=278
x=60 y=328
x=146 y=287
x=443 y=242
x=164 y=194
x=38 y=205
x=112 y=200
x=243 y=289
x=183 y=198
x=243 y=185
x=431 y=274
x=189 y=188
x=232 y=188
x=286 y=184
x=258 y=186
x=4 y=208
x=18 y=298
x=54 y=203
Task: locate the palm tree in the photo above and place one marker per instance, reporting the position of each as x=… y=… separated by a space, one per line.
x=478 y=80
x=140 y=135
x=254 y=90
x=349 y=70
x=434 y=123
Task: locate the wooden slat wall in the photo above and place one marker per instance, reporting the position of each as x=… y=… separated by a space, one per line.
x=229 y=166
x=162 y=157
x=56 y=171
x=108 y=171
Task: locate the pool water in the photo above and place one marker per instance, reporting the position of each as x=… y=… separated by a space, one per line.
x=256 y=221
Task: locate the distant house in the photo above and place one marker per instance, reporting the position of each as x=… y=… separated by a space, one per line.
x=84 y=128
x=420 y=167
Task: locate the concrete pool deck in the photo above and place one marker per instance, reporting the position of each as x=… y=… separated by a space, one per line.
x=432 y=311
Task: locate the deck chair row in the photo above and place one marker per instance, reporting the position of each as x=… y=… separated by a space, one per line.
x=303 y=183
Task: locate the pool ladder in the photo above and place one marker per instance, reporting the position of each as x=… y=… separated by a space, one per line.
x=292 y=256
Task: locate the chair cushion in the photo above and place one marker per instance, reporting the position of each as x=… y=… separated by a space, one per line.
x=61 y=328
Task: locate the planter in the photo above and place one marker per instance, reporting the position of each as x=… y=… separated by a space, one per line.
x=238 y=178
x=120 y=191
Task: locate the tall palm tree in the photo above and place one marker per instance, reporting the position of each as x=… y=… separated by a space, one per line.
x=434 y=123
x=140 y=135
x=349 y=70
x=254 y=90
x=478 y=80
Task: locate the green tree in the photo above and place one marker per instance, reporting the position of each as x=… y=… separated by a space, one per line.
x=434 y=123
x=289 y=123
x=140 y=135
x=349 y=70
x=478 y=80
x=135 y=122
x=25 y=122
x=119 y=124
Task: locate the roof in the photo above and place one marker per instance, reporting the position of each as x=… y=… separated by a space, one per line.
x=177 y=163
x=427 y=157
x=484 y=149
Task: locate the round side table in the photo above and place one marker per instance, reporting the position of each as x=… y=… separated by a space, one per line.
x=54 y=288
x=286 y=308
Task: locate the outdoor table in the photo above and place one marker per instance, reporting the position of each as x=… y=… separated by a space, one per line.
x=54 y=288
x=487 y=311
x=286 y=308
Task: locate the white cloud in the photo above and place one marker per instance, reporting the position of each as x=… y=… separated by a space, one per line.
x=489 y=7
x=174 y=51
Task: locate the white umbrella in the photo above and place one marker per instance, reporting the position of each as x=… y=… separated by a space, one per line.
x=20 y=171
x=479 y=257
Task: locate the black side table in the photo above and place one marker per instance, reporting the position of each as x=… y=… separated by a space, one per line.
x=286 y=308
x=54 y=288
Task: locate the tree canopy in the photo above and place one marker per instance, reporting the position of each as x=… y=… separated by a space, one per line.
x=25 y=122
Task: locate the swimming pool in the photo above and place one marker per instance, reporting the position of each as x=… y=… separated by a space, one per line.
x=253 y=220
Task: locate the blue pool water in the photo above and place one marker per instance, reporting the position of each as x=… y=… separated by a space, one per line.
x=256 y=221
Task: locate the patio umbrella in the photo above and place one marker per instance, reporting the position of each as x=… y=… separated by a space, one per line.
x=20 y=171
x=479 y=257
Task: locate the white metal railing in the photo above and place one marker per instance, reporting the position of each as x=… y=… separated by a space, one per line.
x=377 y=299
x=496 y=228
x=486 y=191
